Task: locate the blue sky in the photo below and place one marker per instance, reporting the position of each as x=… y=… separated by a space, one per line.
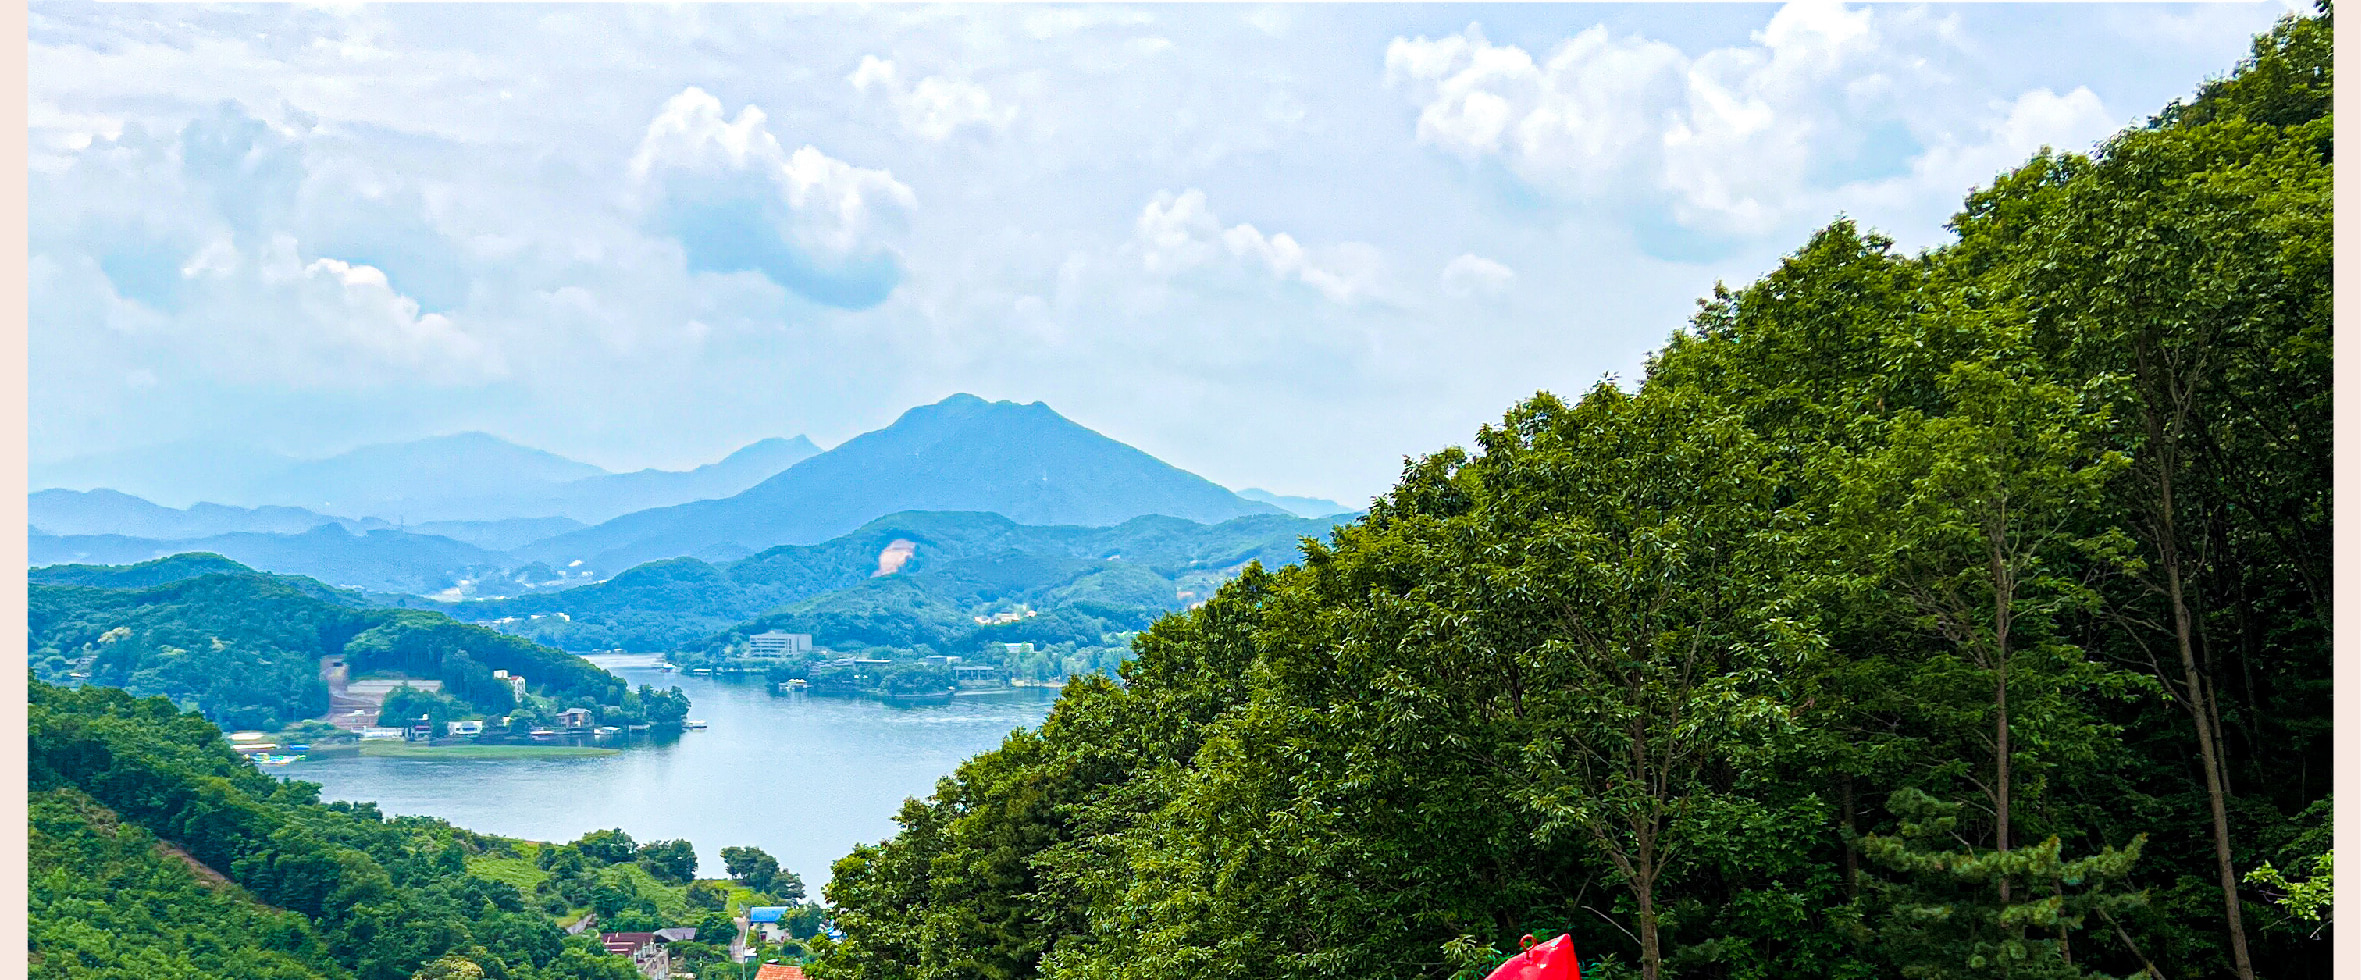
x=1278 y=246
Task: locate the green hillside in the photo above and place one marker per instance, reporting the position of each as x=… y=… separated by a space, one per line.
x=157 y=851
x=1949 y=615
x=958 y=565
x=245 y=648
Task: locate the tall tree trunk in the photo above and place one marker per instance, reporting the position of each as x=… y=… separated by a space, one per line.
x=2000 y=786
x=1852 y=843
x=2004 y=591
x=1651 y=957
x=2209 y=755
x=2160 y=395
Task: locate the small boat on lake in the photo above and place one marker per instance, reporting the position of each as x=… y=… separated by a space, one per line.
x=694 y=726
x=604 y=731
x=639 y=726
x=543 y=733
x=700 y=671
x=276 y=760
x=665 y=665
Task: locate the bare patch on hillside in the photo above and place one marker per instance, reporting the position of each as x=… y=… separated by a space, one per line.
x=894 y=557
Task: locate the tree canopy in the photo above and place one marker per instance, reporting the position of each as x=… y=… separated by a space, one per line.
x=1952 y=614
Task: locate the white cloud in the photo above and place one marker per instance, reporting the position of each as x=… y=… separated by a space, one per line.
x=874 y=72
x=2072 y=122
x=1472 y=274
x=936 y=107
x=1739 y=140
x=184 y=244
x=1177 y=232
x=485 y=171
x=736 y=201
x=352 y=308
x=267 y=315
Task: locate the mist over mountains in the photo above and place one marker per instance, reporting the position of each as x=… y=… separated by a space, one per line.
x=474 y=516
x=469 y=476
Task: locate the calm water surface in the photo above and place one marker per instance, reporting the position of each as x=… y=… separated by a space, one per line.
x=802 y=777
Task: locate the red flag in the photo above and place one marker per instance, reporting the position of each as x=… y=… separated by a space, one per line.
x=1553 y=960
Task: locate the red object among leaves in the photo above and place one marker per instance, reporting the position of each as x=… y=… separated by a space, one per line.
x=1553 y=960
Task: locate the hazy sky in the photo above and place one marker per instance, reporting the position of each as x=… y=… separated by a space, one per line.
x=1278 y=246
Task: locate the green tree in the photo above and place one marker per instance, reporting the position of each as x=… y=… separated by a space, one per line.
x=1952 y=914
x=706 y=896
x=1643 y=527
x=606 y=846
x=671 y=861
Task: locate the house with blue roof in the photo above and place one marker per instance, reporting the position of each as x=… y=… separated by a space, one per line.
x=769 y=921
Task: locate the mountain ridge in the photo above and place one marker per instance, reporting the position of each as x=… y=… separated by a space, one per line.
x=1024 y=462
x=459 y=477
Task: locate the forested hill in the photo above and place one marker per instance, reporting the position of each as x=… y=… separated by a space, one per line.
x=1116 y=578
x=1957 y=614
x=245 y=648
x=157 y=851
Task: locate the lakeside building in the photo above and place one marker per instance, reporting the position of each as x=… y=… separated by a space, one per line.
x=777 y=644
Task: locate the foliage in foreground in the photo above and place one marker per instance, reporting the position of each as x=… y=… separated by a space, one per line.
x=1958 y=614
x=312 y=890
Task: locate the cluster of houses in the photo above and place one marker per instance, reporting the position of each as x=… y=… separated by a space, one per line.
x=650 y=952
x=1018 y=614
x=569 y=721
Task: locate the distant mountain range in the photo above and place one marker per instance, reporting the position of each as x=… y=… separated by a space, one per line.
x=103 y=511
x=381 y=560
x=470 y=476
x=1000 y=463
x=1299 y=506
x=1023 y=462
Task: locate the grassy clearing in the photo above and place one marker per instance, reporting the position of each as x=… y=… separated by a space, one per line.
x=411 y=750
x=517 y=871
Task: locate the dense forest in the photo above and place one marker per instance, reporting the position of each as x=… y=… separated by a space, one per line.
x=156 y=850
x=245 y=648
x=1954 y=614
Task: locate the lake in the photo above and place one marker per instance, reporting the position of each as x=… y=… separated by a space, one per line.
x=803 y=777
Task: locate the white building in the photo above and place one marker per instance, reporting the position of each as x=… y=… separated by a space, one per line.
x=777 y=644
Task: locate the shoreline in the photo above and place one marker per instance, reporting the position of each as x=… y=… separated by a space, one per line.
x=413 y=750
